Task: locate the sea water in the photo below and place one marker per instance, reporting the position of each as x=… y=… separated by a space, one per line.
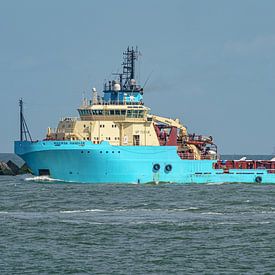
x=48 y=227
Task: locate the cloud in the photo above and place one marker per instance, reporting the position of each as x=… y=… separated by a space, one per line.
x=260 y=44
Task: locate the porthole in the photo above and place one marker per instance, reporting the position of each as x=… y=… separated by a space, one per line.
x=168 y=168
x=258 y=179
x=156 y=167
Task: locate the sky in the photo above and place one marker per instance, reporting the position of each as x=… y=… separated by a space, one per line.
x=211 y=63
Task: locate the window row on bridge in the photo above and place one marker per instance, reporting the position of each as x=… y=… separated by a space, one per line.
x=128 y=113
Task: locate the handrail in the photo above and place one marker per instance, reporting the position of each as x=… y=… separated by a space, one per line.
x=69 y=119
x=246 y=164
x=119 y=103
x=191 y=156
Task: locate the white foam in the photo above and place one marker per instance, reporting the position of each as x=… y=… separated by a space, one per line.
x=81 y=211
x=259 y=222
x=41 y=179
x=182 y=209
x=147 y=222
x=215 y=183
x=228 y=223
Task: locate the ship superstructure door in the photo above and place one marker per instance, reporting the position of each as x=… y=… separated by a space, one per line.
x=136 y=140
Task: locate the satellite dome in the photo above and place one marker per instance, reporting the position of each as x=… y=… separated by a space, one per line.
x=133 y=82
x=117 y=87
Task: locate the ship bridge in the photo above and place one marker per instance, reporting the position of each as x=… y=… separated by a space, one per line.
x=113 y=112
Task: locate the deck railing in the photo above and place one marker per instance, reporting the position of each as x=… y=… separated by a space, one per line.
x=246 y=164
x=191 y=156
x=70 y=119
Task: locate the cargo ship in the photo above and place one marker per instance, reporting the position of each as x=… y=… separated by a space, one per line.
x=116 y=139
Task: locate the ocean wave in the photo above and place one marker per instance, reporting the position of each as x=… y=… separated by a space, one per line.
x=159 y=209
x=129 y=210
x=148 y=222
x=228 y=223
x=212 y=213
x=263 y=222
x=246 y=222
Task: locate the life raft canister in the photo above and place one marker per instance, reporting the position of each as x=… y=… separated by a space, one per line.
x=156 y=167
x=258 y=179
x=168 y=168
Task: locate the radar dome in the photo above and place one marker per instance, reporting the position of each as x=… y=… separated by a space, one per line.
x=117 y=87
x=133 y=82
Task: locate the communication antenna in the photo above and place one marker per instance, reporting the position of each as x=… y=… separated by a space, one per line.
x=24 y=130
x=84 y=99
x=95 y=96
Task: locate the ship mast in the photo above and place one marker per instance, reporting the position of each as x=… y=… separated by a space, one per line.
x=129 y=58
x=24 y=130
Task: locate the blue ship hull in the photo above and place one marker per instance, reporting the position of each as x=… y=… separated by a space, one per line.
x=85 y=162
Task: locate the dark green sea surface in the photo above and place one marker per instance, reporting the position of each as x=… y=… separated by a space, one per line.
x=55 y=228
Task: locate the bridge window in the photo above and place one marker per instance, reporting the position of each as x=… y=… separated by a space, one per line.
x=135 y=113
x=140 y=113
x=129 y=113
x=97 y=112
